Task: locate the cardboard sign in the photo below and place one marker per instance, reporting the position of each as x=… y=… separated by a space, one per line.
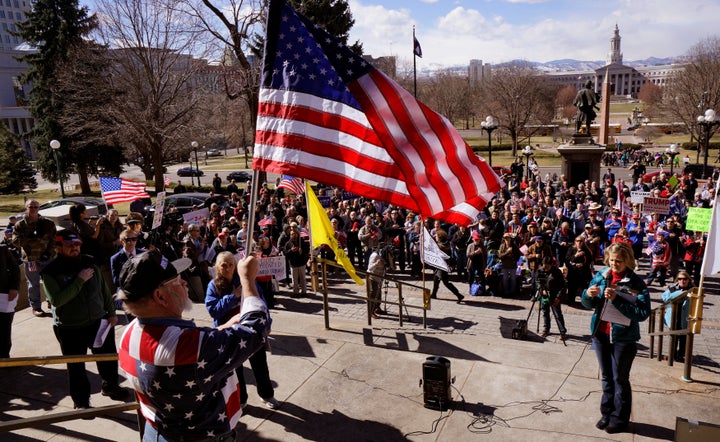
x=698 y=219
x=272 y=265
x=159 y=210
x=638 y=196
x=656 y=205
x=196 y=216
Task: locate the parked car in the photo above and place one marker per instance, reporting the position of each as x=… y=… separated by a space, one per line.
x=501 y=170
x=240 y=176
x=190 y=171
x=88 y=201
x=214 y=153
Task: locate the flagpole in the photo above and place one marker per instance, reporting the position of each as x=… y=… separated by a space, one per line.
x=695 y=320
x=251 y=210
x=414 y=66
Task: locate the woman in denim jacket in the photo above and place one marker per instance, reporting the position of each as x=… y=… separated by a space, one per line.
x=616 y=289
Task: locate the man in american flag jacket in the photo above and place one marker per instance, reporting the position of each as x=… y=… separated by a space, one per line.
x=184 y=375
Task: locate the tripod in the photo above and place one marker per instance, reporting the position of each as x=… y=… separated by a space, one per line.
x=401 y=300
x=539 y=293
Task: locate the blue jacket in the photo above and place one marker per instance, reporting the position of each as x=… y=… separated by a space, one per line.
x=637 y=312
x=671 y=293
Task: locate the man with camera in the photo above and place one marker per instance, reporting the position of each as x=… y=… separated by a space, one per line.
x=550 y=287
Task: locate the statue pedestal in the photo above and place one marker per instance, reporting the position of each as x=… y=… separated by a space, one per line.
x=581 y=160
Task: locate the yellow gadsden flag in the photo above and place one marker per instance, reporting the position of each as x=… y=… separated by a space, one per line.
x=322 y=232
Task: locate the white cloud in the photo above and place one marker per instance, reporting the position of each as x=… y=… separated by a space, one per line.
x=452 y=34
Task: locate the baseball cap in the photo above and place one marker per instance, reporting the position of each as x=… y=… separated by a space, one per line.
x=539 y=238
x=67 y=236
x=475 y=234
x=588 y=226
x=141 y=275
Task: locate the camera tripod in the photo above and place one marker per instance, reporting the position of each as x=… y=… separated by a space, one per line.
x=536 y=297
x=401 y=300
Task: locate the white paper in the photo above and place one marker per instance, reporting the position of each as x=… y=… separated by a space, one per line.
x=7 y=306
x=102 y=333
x=611 y=314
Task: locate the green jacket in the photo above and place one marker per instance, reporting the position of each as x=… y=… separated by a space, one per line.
x=76 y=303
x=36 y=239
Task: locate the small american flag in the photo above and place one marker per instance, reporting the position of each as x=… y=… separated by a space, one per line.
x=166 y=181
x=120 y=190
x=293 y=184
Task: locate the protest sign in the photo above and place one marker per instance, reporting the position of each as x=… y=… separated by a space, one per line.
x=196 y=216
x=638 y=196
x=656 y=205
x=159 y=210
x=698 y=219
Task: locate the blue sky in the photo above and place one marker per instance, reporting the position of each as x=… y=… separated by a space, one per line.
x=452 y=32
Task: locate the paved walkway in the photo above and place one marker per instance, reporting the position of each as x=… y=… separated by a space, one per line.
x=356 y=381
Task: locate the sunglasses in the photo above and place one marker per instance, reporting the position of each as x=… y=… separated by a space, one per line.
x=682 y=279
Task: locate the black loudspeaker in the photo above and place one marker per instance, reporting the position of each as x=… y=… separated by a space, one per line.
x=436 y=383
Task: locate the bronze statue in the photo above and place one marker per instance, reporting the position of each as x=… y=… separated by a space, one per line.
x=585 y=101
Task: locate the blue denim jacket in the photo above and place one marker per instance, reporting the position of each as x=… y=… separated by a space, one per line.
x=637 y=312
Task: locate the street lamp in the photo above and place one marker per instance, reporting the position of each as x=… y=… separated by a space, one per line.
x=707 y=122
x=55 y=146
x=490 y=124
x=194 y=145
x=672 y=152
x=528 y=151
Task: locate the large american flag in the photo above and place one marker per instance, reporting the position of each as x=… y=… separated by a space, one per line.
x=326 y=114
x=120 y=190
x=293 y=184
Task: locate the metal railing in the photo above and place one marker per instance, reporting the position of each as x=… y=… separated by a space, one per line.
x=90 y=413
x=320 y=283
x=657 y=328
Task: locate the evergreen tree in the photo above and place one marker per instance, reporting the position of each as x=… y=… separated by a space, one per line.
x=332 y=15
x=16 y=174
x=54 y=28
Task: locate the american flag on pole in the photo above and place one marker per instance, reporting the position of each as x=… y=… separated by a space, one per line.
x=166 y=181
x=120 y=190
x=327 y=115
x=621 y=203
x=295 y=185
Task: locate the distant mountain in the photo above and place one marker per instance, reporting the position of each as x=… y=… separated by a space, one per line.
x=564 y=65
x=569 y=65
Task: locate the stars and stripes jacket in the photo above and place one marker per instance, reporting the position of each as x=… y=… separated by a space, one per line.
x=184 y=375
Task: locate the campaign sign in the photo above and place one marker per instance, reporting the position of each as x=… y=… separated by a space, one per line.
x=638 y=196
x=698 y=219
x=656 y=205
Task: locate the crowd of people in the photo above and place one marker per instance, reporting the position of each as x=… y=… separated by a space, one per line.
x=544 y=234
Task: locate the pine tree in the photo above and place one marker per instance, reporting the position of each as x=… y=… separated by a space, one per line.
x=332 y=15
x=53 y=27
x=16 y=174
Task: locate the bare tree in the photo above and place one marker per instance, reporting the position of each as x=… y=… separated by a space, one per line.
x=564 y=101
x=155 y=53
x=447 y=94
x=517 y=95
x=696 y=86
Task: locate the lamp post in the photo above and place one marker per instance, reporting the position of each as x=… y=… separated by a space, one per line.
x=672 y=152
x=528 y=151
x=707 y=122
x=490 y=124
x=55 y=146
x=194 y=145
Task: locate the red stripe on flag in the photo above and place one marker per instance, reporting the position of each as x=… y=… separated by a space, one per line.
x=187 y=347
